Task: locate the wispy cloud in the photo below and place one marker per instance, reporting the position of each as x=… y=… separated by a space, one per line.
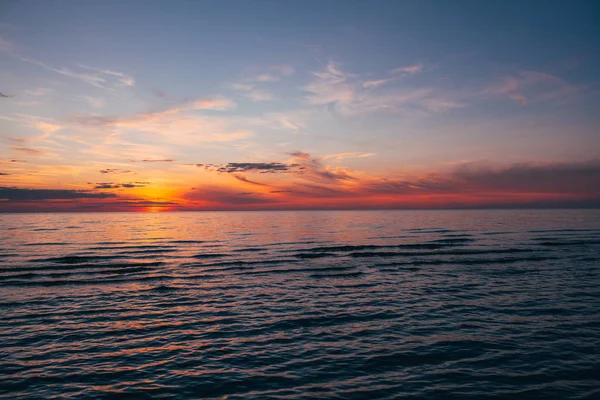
x=244 y=179
x=39 y=92
x=351 y=95
x=180 y=125
x=114 y=171
x=274 y=73
x=341 y=156
x=29 y=150
x=252 y=93
x=161 y=160
x=95 y=102
x=408 y=70
x=253 y=88
x=100 y=78
x=526 y=86
x=46 y=128
x=5 y=45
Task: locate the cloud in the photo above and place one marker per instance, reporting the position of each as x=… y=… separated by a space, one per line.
x=100 y=78
x=397 y=72
x=20 y=194
x=4 y=174
x=274 y=74
x=350 y=95
x=253 y=93
x=161 y=160
x=342 y=156
x=582 y=177
x=5 y=95
x=577 y=179
x=29 y=150
x=252 y=88
x=114 y=171
x=111 y=185
x=261 y=95
x=213 y=196
x=151 y=119
x=314 y=169
x=5 y=46
x=376 y=83
x=178 y=125
x=46 y=128
x=526 y=86
x=300 y=155
x=263 y=168
x=39 y=92
x=242 y=178
x=95 y=102
x=408 y=70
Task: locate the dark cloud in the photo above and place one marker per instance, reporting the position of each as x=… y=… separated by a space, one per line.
x=20 y=194
x=222 y=197
x=559 y=178
x=4 y=174
x=311 y=167
x=583 y=177
x=154 y=160
x=315 y=169
x=114 y=171
x=18 y=161
x=28 y=150
x=106 y=186
x=242 y=178
x=5 y=95
x=17 y=139
x=112 y=185
x=300 y=154
x=334 y=175
x=262 y=167
x=270 y=167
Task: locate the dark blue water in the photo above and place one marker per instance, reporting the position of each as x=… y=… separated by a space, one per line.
x=299 y=305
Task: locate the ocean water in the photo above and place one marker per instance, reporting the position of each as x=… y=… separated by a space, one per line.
x=301 y=305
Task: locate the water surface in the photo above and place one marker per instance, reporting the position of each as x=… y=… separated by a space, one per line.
x=287 y=305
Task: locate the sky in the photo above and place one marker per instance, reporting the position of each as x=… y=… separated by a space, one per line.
x=275 y=105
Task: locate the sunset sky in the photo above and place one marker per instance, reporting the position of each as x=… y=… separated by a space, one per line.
x=244 y=105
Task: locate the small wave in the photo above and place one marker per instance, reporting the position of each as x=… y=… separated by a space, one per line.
x=338 y=276
x=248 y=250
x=315 y=255
x=83 y=266
x=570 y=243
x=136 y=247
x=8 y=255
x=46 y=244
x=562 y=230
x=453 y=240
x=210 y=255
x=192 y=241
x=148 y=251
x=74 y=259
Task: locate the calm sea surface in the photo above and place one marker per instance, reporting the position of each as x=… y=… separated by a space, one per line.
x=298 y=305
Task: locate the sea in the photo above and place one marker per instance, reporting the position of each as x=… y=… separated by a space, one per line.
x=449 y=304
